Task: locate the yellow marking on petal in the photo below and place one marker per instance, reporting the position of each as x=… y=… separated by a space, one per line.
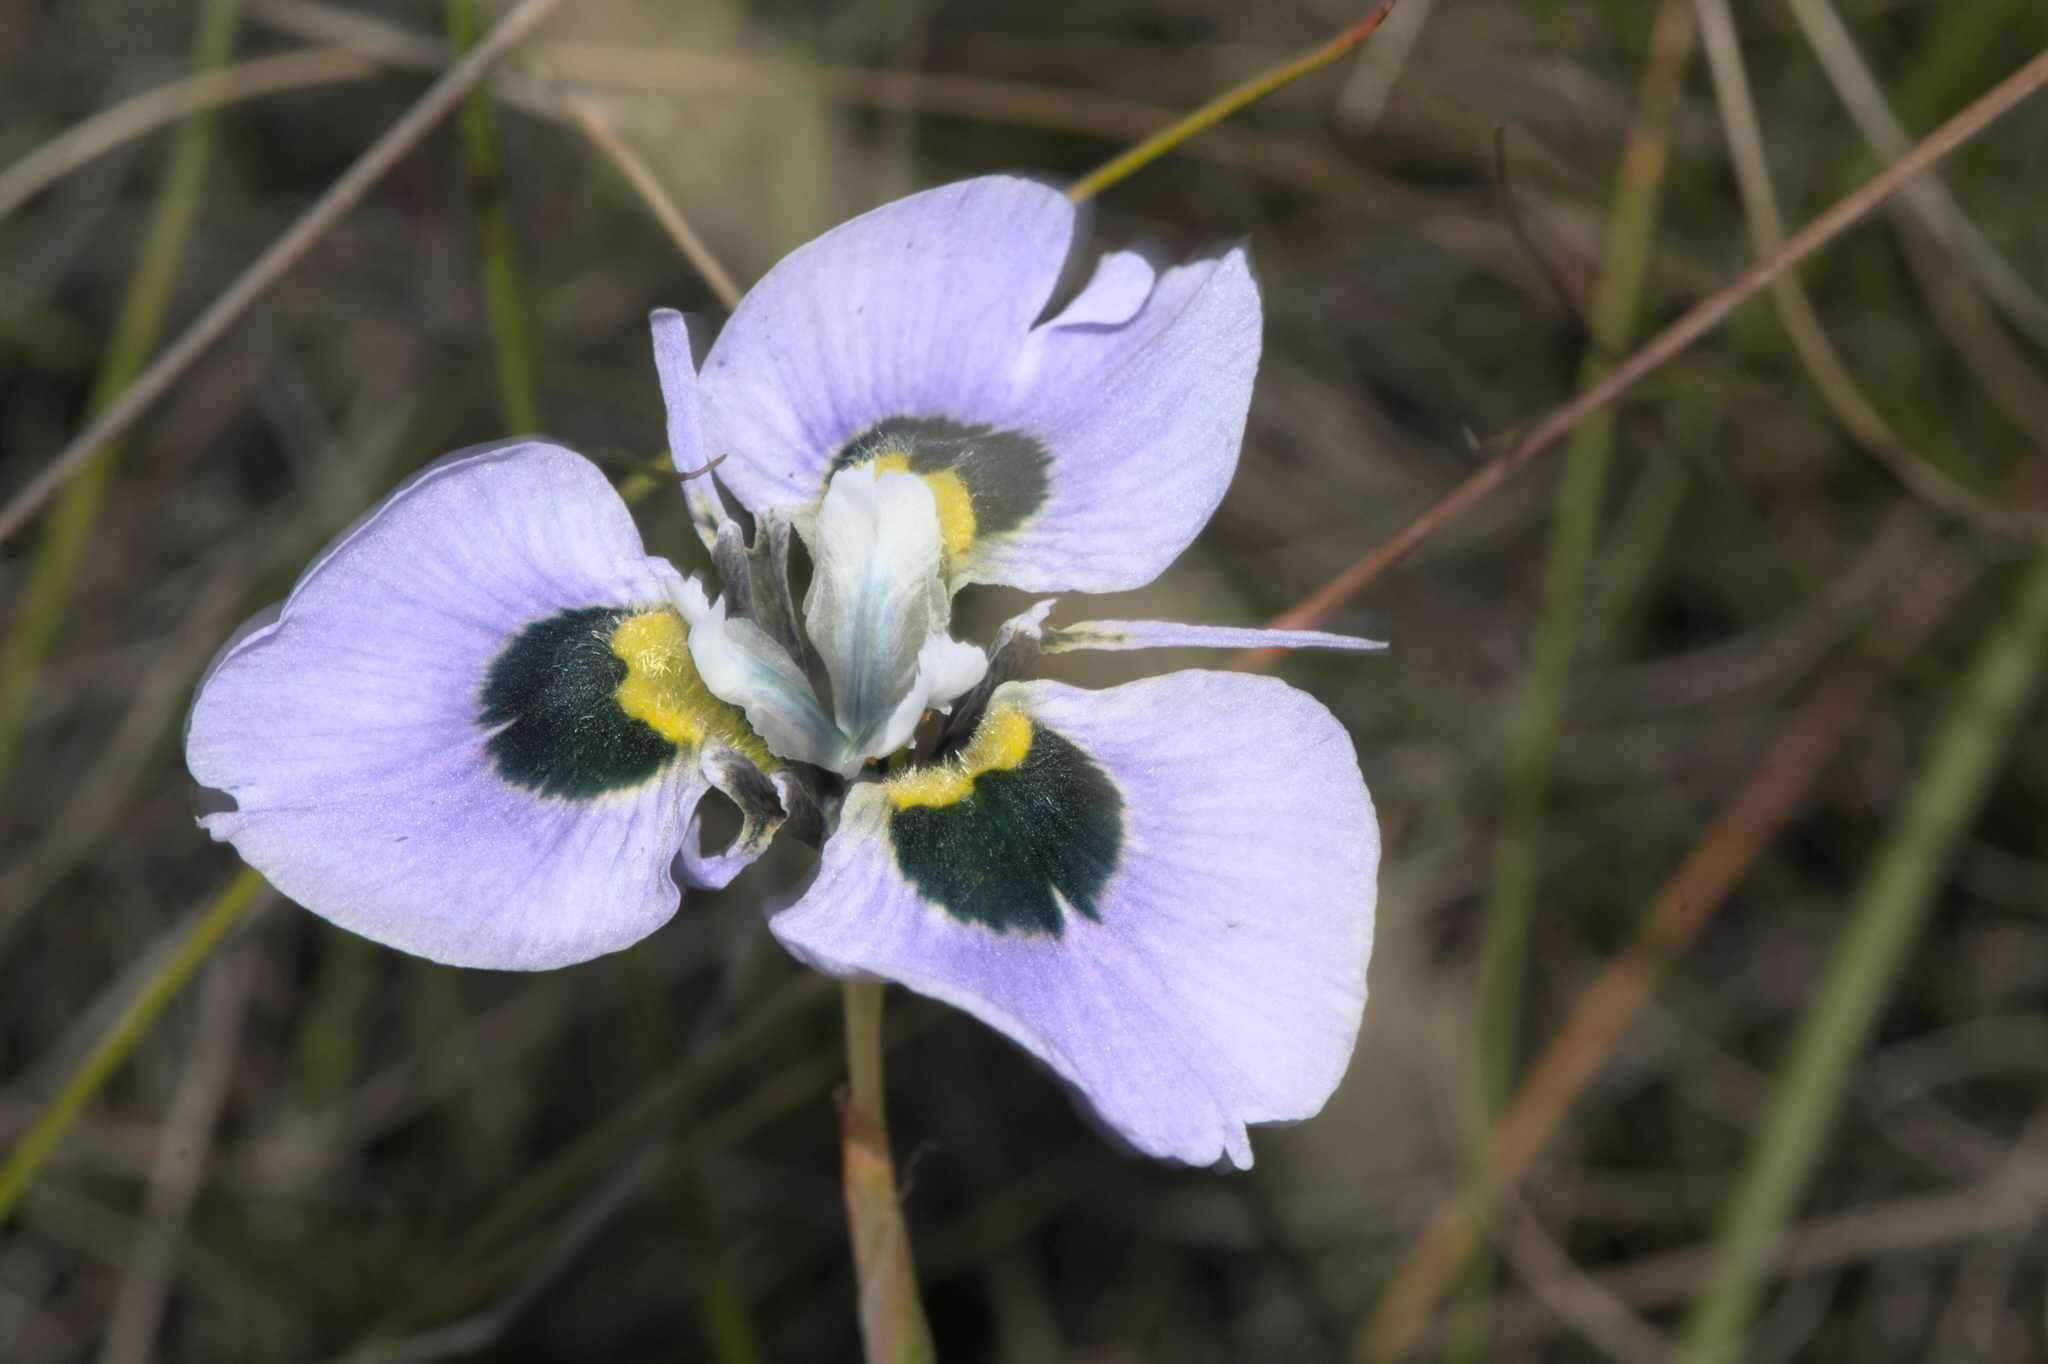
x=949 y=494
x=662 y=688
x=1000 y=743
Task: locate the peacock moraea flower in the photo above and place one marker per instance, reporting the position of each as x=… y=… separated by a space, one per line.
x=480 y=726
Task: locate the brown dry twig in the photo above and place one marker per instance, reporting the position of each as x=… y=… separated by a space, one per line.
x=152 y=109
x=1824 y=365
x=2005 y=1202
x=1800 y=752
x=225 y=311
x=1662 y=349
x=641 y=177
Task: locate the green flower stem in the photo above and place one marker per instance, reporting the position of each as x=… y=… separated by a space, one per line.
x=228 y=908
x=136 y=330
x=1128 y=163
x=892 y=1322
x=1883 y=925
x=511 y=342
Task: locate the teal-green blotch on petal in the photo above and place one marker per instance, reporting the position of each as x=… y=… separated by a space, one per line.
x=554 y=690
x=1020 y=822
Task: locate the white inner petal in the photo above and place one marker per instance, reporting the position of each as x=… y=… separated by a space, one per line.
x=876 y=613
x=743 y=666
x=946 y=670
x=877 y=595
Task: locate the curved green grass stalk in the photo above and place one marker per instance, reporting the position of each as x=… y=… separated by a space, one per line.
x=1884 y=923
x=511 y=342
x=1128 y=163
x=42 y=1136
x=136 y=330
x=1631 y=229
x=1574 y=530
x=1870 y=109
x=1633 y=551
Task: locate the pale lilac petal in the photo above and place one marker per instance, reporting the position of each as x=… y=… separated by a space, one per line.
x=348 y=730
x=1143 y=423
x=677 y=373
x=1218 y=977
x=1091 y=447
x=708 y=515
x=1121 y=283
x=1167 y=634
x=916 y=308
x=703 y=870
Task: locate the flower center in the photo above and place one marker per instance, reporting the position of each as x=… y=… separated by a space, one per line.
x=875 y=617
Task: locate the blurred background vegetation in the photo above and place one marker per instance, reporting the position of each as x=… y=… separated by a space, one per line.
x=1734 y=690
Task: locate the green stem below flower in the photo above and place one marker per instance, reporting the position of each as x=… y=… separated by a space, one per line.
x=892 y=1322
